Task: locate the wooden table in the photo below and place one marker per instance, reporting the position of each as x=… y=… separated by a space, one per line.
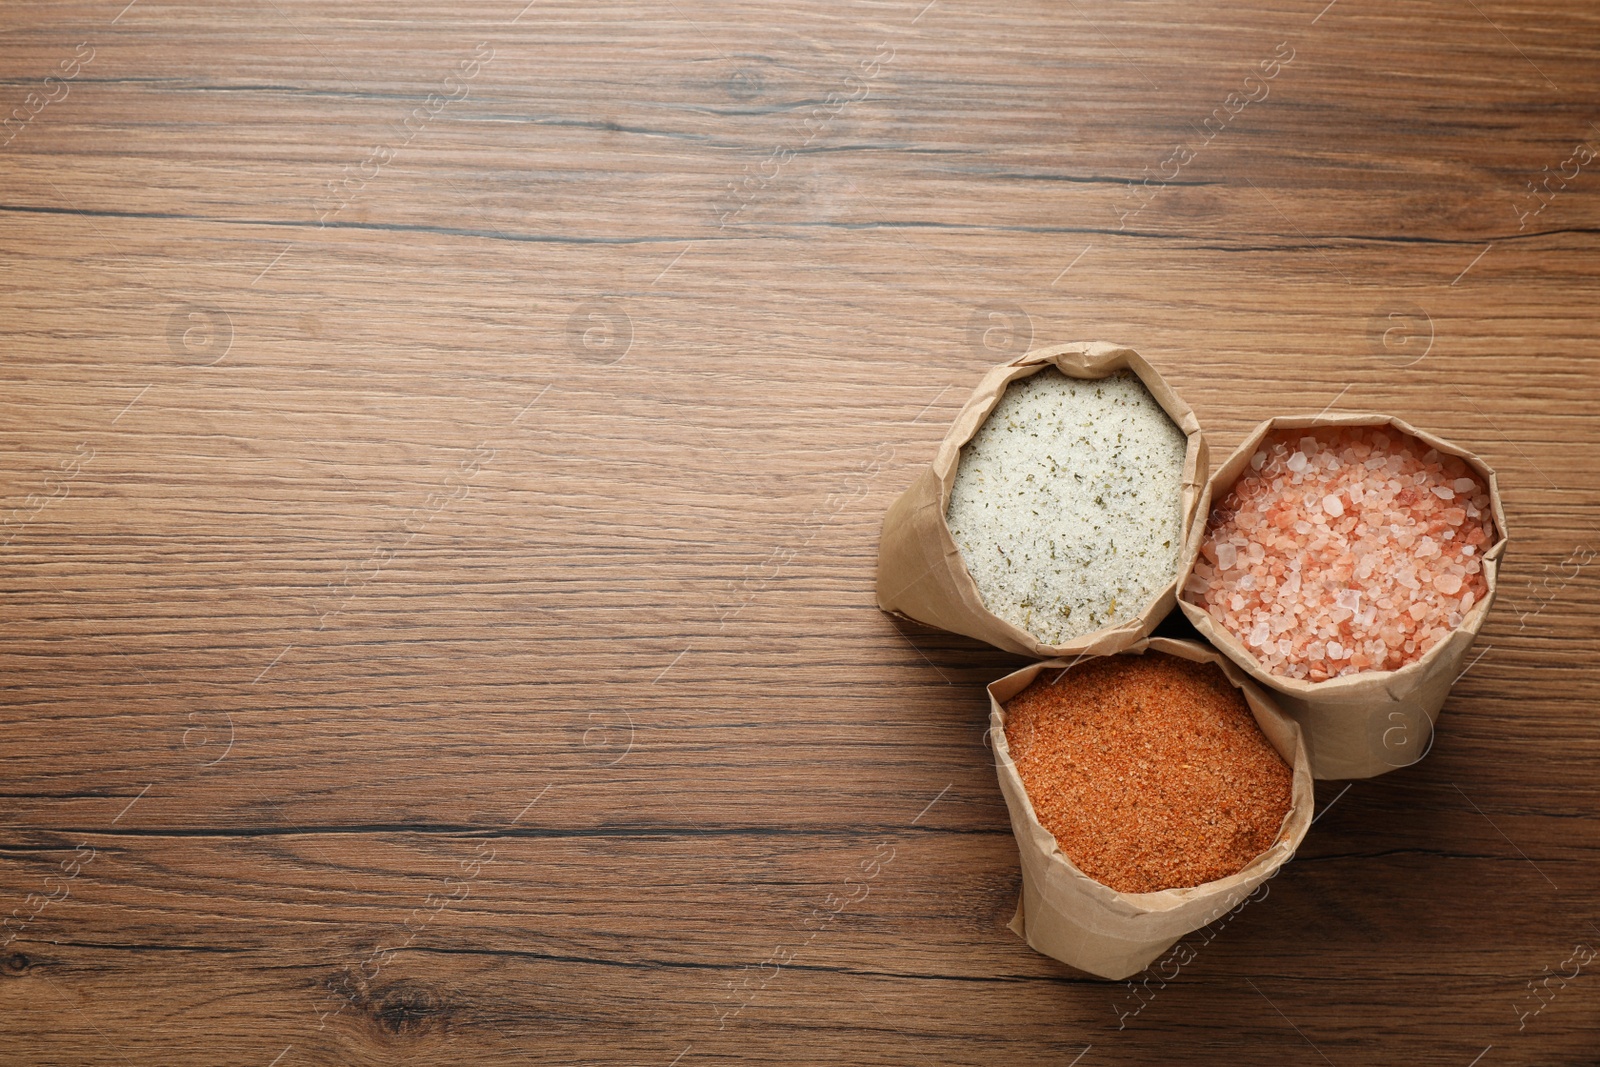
x=443 y=453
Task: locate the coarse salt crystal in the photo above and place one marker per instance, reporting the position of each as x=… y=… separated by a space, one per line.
x=1258 y=460
x=1227 y=556
x=1371 y=589
x=1448 y=584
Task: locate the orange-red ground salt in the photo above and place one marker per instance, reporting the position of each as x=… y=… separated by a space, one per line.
x=1149 y=770
x=1342 y=550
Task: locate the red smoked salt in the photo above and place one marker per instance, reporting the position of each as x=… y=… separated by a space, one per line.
x=1149 y=770
x=1344 y=549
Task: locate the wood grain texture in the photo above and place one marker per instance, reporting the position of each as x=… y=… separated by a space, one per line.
x=441 y=455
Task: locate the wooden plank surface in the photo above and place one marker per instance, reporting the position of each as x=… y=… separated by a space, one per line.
x=442 y=449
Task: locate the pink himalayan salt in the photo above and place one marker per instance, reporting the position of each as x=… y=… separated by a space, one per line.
x=1351 y=550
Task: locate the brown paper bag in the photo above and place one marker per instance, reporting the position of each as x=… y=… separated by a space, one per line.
x=1066 y=914
x=921 y=574
x=1364 y=724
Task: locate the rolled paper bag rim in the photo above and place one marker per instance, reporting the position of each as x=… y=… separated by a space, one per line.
x=940 y=591
x=1099 y=916
x=1353 y=688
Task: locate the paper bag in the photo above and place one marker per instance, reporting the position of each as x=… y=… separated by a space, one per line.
x=1071 y=917
x=921 y=574
x=1364 y=724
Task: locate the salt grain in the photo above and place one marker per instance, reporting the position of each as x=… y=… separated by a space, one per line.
x=1150 y=771
x=1397 y=546
x=1067 y=503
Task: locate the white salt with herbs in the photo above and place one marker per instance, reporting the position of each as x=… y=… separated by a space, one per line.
x=1067 y=504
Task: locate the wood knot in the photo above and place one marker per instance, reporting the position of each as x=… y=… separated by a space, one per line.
x=407 y=1010
x=14 y=963
x=745 y=84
